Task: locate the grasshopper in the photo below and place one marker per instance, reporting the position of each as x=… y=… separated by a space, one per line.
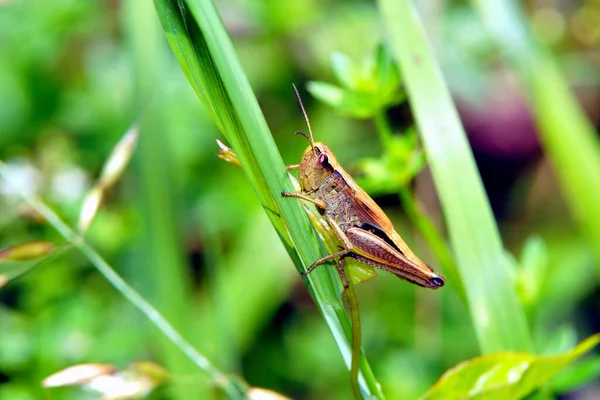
x=361 y=225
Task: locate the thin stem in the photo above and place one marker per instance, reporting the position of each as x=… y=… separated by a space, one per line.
x=78 y=241
x=383 y=128
x=350 y=295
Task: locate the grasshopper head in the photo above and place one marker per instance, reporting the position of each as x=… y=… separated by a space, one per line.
x=318 y=163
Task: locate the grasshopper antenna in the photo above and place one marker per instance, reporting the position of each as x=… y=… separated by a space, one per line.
x=310 y=139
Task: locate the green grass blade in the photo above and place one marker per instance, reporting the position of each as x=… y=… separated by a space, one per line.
x=205 y=52
x=567 y=135
x=496 y=314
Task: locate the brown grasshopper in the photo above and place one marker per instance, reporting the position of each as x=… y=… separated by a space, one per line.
x=361 y=225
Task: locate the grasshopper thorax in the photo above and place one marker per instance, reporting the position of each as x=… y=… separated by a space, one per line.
x=318 y=163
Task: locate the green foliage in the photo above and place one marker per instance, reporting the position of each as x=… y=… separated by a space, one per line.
x=503 y=375
x=364 y=89
x=577 y=376
x=198 y=253
x=399 y=165
x=529 y=275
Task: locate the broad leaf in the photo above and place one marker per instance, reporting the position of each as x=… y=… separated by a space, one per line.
x=505 y=375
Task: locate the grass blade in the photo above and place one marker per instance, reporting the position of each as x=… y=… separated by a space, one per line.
x=496 y=314
x=202 y=47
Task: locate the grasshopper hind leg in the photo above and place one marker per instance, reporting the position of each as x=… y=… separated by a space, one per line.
x=342 y=272
x=343 y=253
x=339 y=266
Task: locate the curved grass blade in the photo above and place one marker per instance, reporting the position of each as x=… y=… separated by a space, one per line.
x=203 y=49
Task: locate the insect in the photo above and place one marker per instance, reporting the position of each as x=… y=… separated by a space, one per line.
x=361 y=225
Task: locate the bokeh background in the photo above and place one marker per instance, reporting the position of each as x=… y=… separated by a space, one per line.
x=185 y=229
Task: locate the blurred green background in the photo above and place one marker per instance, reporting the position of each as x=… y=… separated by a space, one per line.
x=185 y=229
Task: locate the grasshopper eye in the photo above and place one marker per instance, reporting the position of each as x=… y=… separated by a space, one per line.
x=323 y=159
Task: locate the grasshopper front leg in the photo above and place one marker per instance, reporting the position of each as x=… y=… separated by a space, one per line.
x=319 y=203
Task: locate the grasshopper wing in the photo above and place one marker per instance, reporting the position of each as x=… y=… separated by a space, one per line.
x=374 y=219
x=373 y=250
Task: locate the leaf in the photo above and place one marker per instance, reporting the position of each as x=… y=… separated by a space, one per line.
x=345 y=71
x=504 y=375
x=10 y=270
x=386 y=71
x=532 y=271
x=357 y=105
x=577 y=375
x=402 y=161
x=365 y=90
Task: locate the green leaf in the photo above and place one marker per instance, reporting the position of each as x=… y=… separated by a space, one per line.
x=345 y=71
x=496 y=313
x=328 y=93
x=366 y=90
x=503 y=376
x=386 y=72
x=354 y=104
x=402 y=161
x=158 y=247
x=577 y=375
x=532 y=271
